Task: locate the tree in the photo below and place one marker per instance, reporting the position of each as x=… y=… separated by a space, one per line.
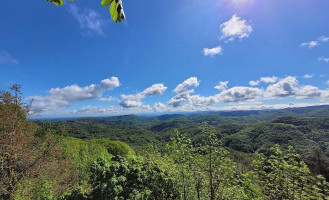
x=286 y=176
x=180 y=149
x=29 y=155
x=135 y=179
x=115 y=8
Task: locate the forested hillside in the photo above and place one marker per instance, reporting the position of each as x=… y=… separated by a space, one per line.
x=236 y=155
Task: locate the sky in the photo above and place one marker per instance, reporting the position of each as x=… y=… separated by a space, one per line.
x=166 y=57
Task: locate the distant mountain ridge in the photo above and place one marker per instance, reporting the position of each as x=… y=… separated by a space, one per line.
x=261 y=115
x=231 y=116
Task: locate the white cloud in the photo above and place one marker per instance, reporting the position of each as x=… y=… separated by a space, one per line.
x=266 y=79
x=314 y=43
x=89 y=20
x=177 y=100
x=6 y=58
x=324 y=59
x=235 y=98
x=236 y=94
x=159 y=107
x=192 y=81
x=59 y=98
x=325 y=95
x=213 y=51
x=222 y=85
x=197 y=100
x=131 y=100
x=110 y=98
x=155 y=89
x=183 y=94
x=289 y=86
x=94 y=110
x=323 y=39
x=267 y=106
x=308 y=91
x=310 y=44
x=236 y=27
x=327 y=82
x=308 y=76
x=108 y=111
x=254 y=83
x=284 y=88
x=135 y=100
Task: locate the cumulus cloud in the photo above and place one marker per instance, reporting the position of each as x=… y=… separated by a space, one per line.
x=254 y=83
x=222 y=85
x=6 y=58
x=266 y=79
x=213 y=51
x=284 y=88
x=177 y=100
x=325 y=95
x=132 y=100
x=155 y=89
x=236 y=94
x=182 y=91
x=159 y=107
x=89 y=20
x=190 y=82
x=236 y=27
x=238 y=97
x=289 y=86
x=308 y=76
x=184 y=96
x=324 y=59
x=308 y=91
x=135 y=100
x=59 y=98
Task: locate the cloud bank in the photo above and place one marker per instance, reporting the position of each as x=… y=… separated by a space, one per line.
x=59 y=98
x=185 y=98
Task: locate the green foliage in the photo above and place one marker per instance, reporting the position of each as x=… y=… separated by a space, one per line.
x=286 y=176
x=34 y=188
x=116 y=8
x=134 y=180
x=76 y=194
x=106 y=2
x=189 y=162
x=114 y=147
x=206 y=171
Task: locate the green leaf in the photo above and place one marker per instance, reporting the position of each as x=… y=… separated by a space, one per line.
x=114 y=12
x=58 y=2
x=106 y=2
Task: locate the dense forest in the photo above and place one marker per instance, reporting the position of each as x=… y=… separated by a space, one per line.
x=280 y=154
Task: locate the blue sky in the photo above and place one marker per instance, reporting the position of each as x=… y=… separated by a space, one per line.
x=167 y=56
